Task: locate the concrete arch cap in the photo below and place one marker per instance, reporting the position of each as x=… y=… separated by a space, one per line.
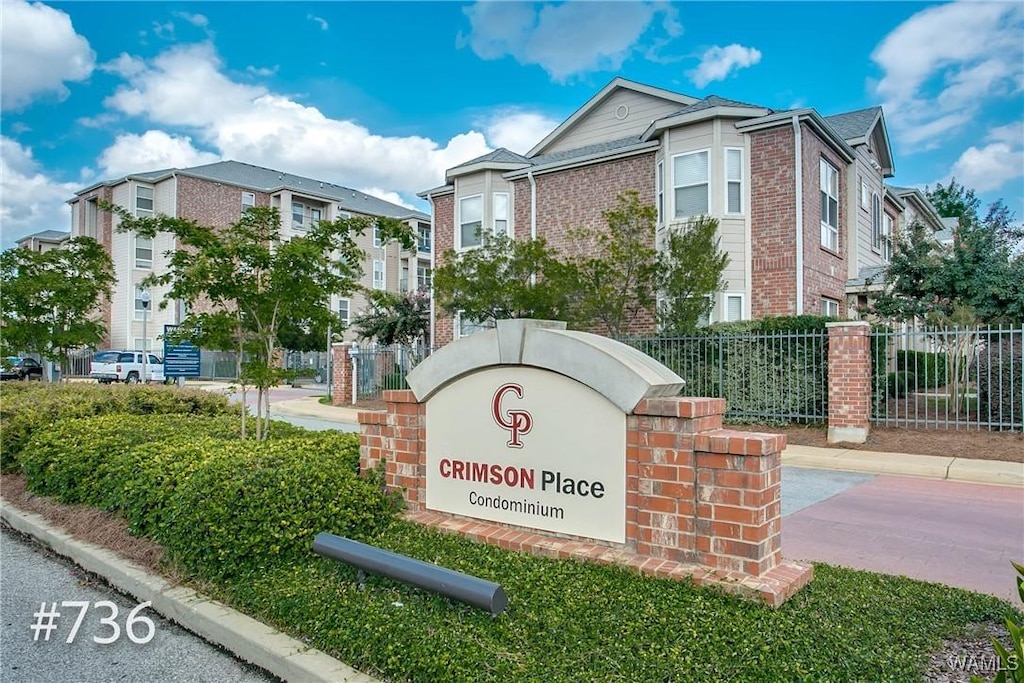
x=618 y=372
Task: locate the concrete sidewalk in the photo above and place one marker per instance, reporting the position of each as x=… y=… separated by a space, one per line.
x=901 y=464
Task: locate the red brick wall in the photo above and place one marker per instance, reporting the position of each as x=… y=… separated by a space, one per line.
x=773 y=225
x=105 y=236
x=444 y=236
x=849 y=381
x=210 y=203
x=341 y=375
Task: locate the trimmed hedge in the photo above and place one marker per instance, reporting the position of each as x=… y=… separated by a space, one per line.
x=35 y=407
x=929 y=369
x=1000 y=374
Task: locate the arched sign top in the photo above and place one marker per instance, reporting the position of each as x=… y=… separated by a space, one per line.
x=618 y=372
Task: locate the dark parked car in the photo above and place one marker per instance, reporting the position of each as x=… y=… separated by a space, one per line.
x=13 y=367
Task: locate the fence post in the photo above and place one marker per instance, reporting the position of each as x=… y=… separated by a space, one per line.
x=849 y=381
x=341 y=375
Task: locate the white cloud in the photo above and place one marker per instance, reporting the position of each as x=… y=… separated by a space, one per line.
x=262 y=71
x=518 y=130
x=150 y=151
x=1012 y=133
x=944 y=63
x=199 y=20
x=31 y=200
x=565 y=39
x=320 y=20
x=387 y=196
x=124 y=66
x=718 y=62
x=184 y=87
x=164 y=31
x=990 y=167
x=41 y=51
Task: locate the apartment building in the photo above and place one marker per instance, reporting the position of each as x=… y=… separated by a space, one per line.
x=801 y=199
x=44 y=240
x=217 y=194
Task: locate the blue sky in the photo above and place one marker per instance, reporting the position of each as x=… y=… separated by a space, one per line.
x=383 y=97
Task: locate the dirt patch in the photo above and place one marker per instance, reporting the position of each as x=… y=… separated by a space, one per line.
x=971 y=655
x=980 y=445
x=84 y=523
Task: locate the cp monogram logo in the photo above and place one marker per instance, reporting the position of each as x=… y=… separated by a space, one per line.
x=517 y=422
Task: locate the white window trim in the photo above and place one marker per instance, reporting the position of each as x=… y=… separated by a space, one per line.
x=428 y=276
x=707 y=182
x=348 y=310
x=139 y=311
x=725 y=174
x=302 y=212
x=146 y=264
x=376 y=237
x=458 y=327
x=145 y=212
x=508 y=213
x=381 y=284
x=659 y=188
x=825 y=225
x=865 y=195
x=458 y=221
x=825 y=305
x=888 y=227
x=876 y=228
x=743 y=308
x=248 y=205
x=430 y=239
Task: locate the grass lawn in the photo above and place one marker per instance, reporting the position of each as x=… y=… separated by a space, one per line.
x=570 y=621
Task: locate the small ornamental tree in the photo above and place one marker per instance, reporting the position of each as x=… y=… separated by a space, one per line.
x=245 y=283
x=395 y=318
x=51 y=299
x=690 y=273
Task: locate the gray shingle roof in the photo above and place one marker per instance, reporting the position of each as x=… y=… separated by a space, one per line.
x=874 y=274
x=266 y=180
x=854 y=124
x=51 y=235
x=715 y=101
x=500 y=155
x=587 y=150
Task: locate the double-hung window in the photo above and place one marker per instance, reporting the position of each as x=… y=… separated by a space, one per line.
x=690 y=184
x=829 y=181
x=500 y=209
x=143 y=252
x=876 y=222
x=733 y=180
x=248 y=201
x=471 y=221
x=143 y=201
x=733 y=307
x=378 y=274
x=343 y=311
x=298 y=216
x=829 y=307
x=660 y=187
x=140 y=309
x=465 y=328
x=377 y=241
x=423 y=277
x=424 y=237
x=887 y=236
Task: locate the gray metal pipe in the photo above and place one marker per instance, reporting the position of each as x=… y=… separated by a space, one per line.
x=456 y=585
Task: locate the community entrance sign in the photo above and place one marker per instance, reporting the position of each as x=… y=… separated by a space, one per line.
x=528 y=447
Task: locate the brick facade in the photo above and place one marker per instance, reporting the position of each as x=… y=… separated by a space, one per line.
x=209 y=203
x=702 y=502
x=341 y=375
x=849 y=381
x=824 y=270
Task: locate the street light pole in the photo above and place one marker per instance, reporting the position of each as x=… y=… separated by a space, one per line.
x=144 y=298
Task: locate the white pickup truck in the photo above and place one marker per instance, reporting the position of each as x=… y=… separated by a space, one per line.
x=125 y=366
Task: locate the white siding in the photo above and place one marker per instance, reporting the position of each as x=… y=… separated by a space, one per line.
x=123 y=254
x=77 y=229
x=163 y=197
x=602 y=124
x=862 y=250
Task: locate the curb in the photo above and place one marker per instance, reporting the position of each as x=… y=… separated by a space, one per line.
x=243 y=636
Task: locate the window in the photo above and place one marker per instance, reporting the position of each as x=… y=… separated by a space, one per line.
x=248 y=200
x=314 y=217
x=143 y=201
x=829 y=307
x=865 y=196
x=887 y=237
x=378 y=274
x=343 y=311
x=876 y=222
x=143 y=252
x=471 y=221
x=298 y=216
x=733 y=307
x=377 y=241
x=690 y=182
x=734 y=181
x=464 y=328
x=423 y=277
x=829 y=180
x=500 y=213
x=91 y=214
x=659 y=182
x=140 y=310
x=424 y=235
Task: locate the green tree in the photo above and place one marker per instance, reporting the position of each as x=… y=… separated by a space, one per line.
x=613 y=270
x=691 y=267
x=244 y=283
x=954 y=200
x=50 y=299
x=395 y=318
x=504 y=278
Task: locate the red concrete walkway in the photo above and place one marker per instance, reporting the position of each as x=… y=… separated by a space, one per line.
x=959 y=534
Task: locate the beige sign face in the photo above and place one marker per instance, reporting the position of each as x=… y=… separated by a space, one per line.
x=528 y=447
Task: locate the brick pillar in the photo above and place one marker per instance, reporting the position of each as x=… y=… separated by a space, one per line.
x=849 y=381
x=398 y=438
x=341 y=375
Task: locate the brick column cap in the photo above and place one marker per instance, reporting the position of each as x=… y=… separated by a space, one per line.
x=848 y=323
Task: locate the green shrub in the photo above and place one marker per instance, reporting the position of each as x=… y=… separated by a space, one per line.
x=930 y=369
x=28 y=411
x=395 y=380
x=249 y=505
x=1000 y=373
x=899 y=383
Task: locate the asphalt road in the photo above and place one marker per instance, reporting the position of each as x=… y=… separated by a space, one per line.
x=31 y=575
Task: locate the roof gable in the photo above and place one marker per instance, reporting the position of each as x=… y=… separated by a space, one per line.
x=664 y=102
x=866 y=127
